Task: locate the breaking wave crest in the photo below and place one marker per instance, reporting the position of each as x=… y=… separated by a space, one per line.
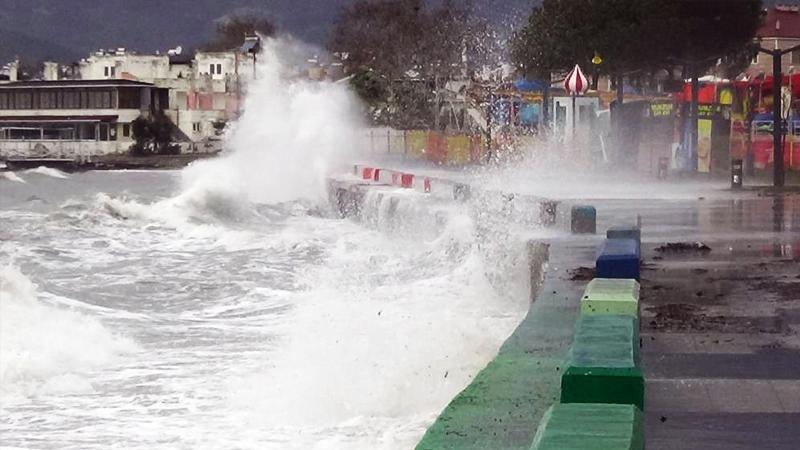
x=48 y=172
x=45 y=349
x=292 y=134
x=11 y=176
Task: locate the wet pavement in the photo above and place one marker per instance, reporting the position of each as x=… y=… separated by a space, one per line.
x=719 y=328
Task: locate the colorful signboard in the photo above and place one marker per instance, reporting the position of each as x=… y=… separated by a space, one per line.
x=703 y=145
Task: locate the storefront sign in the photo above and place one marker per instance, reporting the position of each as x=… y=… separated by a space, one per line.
x=661 y=109
x=708 y=110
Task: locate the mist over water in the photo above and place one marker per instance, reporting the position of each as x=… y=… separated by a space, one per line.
x=225 y=307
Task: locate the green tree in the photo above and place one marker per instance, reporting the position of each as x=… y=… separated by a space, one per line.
x=405 y=45
x=153 y=135
x=633 y=35
x=561 y=33
x=708 y=30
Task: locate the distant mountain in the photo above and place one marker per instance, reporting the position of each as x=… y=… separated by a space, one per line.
x=15 y=43
x=66 y=30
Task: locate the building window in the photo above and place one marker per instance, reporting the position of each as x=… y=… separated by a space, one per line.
x=103 y=129
x=126 y=130
x=99 y=100
x=23 y=100
x=211 y=69
x=47 y=100
x=71 y=100
x=755 y=58
x=113 y=71
x=196 y=127
x=129 y=98
x=4 y=100
x=219 y=69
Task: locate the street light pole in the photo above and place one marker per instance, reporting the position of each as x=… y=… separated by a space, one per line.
x=778 y=176
x=694 y=117
x=777 y=122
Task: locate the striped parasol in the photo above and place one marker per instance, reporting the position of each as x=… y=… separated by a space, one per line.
x=576 y=82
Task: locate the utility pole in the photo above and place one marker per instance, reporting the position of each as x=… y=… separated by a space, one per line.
x=694 y=116
x=778 y=175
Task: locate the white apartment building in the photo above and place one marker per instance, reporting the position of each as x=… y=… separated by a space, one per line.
x=205 y=90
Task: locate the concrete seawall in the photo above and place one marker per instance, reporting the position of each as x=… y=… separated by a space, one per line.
x=548 y=368
x=506 y=400
x=687 y=318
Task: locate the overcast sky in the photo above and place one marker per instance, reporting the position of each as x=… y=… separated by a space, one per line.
x=70 y=29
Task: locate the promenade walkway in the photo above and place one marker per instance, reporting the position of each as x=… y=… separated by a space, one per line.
x=719 y=331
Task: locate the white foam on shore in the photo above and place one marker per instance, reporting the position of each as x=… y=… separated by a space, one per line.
x=391 y=330
x=11 y=176
x=45 y=349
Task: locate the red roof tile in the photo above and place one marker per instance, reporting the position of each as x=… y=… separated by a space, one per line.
x=781 y=22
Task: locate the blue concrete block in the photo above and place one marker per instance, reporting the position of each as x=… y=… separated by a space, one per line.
x=626 y=232
x=618 y=258
x=584 y=219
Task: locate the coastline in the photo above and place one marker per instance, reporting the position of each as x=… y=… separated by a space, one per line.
x=109 y=162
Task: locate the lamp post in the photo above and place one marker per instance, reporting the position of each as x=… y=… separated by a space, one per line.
x=778 y=175
x=596 y=61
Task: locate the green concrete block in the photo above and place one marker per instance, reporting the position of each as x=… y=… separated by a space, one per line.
x=579 y=426
x=603 y=362
x=500 y=408
x=611 y=296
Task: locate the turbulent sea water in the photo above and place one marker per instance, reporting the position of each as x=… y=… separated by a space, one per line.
x=224 y=306
x=132 y=318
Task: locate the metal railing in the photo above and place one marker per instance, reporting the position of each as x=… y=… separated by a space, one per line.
x=59 y=148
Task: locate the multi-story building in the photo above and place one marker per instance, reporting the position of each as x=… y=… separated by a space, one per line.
x=205 y=90
x=780 y=30
x=74 y=119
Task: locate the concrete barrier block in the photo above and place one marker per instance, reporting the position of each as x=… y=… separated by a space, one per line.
x=626 y=232
x=618 y=258
x=583 y=426
x=611 y=296
x=603 y=362
x=583 y=219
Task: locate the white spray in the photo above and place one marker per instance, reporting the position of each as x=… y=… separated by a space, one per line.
x=291 y=135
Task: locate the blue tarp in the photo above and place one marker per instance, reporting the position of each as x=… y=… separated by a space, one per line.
x=529 y=113
x=529 y=85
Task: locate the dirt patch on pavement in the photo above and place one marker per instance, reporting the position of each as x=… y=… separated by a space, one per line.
x=784 y=290
x=581 y=274
x=686 y=317
x=682 y=247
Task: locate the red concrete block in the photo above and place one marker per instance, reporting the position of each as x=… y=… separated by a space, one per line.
x=366 y=173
